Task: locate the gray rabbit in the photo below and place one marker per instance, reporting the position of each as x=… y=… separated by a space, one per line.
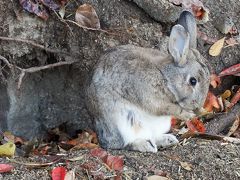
x=134 y=91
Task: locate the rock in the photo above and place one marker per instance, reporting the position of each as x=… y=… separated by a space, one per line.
x=162 y=11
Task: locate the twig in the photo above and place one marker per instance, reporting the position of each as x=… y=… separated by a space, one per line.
x=212 y=137
x=222 y=121
x=35 y=45
x=36 y=165
x=62 y=20
x=6 y=61
x=40 y=68
x=34 y=69
x=92 y=29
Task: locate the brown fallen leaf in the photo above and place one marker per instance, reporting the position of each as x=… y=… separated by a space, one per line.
x=195 y=125
x=156 y=177
x=85 y=137
x=86 y=16
x=216 y=48
x=85 y=146
x=211 y=102
x=215 y=80
x=185 y=165
x=226 y=94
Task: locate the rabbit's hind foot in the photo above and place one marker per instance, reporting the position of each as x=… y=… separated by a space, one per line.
x=166 y=140
x=142 y=145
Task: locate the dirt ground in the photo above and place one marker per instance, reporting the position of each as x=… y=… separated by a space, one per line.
x=207 y=159
x=135 y=23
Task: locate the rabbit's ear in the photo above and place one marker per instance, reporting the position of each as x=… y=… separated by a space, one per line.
x=179 y=44
x=188 y=21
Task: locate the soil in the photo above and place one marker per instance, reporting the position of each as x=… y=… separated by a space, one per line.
x=207 y=159
x=55 y=96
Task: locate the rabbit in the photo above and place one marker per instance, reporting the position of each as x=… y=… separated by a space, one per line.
x=135 y=91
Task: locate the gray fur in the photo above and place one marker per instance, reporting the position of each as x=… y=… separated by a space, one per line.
x=148 y=79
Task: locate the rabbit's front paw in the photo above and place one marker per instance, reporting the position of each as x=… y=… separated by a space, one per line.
x=167 y=140
x=142 y=145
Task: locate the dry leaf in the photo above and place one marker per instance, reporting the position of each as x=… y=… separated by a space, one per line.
x=215 y=80
x=86 y=16
x=226 y=94
x=216 y=48
x=185 y=165
x=115 y=162
x=70 y=175
x=85 y=146
x=211 y=102
x=195 y=125
x=7 y=149
x=61 y=12
x=156 y=177
x=234 y=126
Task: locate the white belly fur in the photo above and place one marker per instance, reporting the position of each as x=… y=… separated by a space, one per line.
x=144 y=126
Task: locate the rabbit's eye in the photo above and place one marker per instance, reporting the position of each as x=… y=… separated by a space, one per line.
x=193 y=81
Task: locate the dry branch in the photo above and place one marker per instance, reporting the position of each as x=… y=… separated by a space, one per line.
x=211 y=137
x=33 y=69
x=40 y=68
x=222 y=122
x=91 y=29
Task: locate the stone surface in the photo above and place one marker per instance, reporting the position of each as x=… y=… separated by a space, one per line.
x=56 y=96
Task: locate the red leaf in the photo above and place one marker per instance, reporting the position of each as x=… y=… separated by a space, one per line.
x=5 y=168
x=115 y=162
x=173 y=122
x=58 y=173
x=211 y=102
x=99 y=152
x=196 y=125
x=233 y=70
